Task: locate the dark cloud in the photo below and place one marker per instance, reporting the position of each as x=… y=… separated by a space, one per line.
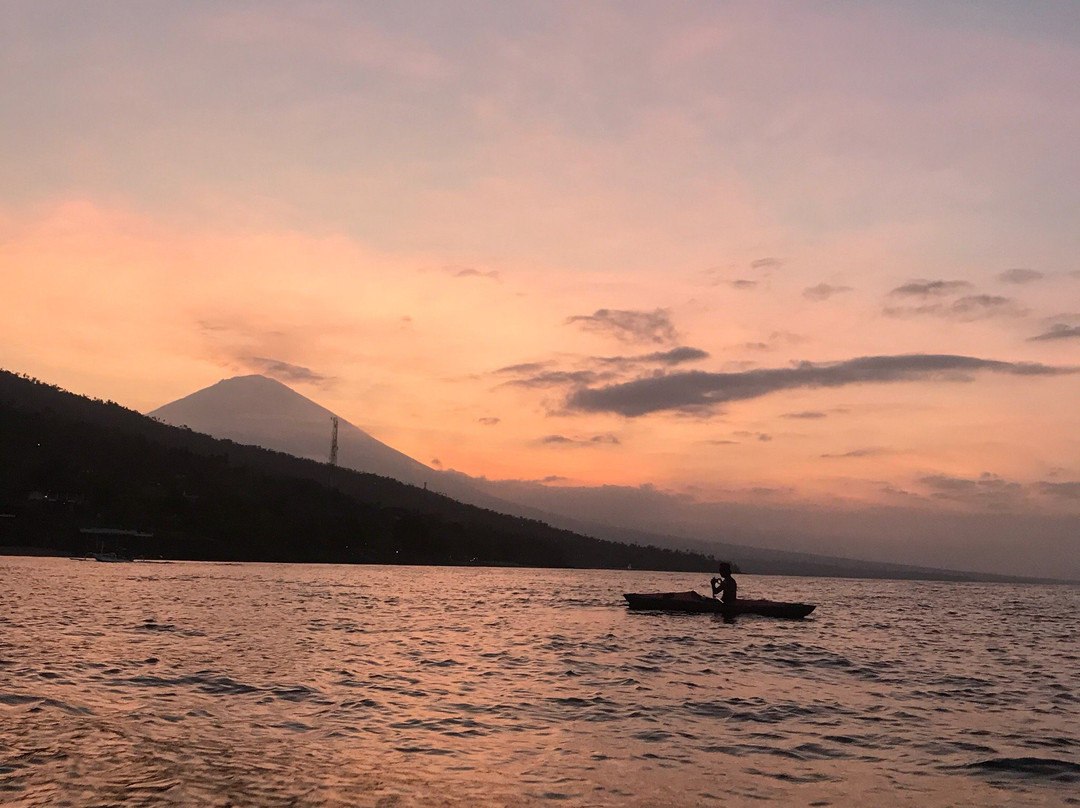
x=766 y=263
x=956 y=485
x=722 y=442
x=807 y=415
x=1021 y=275
x=285 y=371
x=823 y=291
x=630 y=326
x=869 y=451
x=524 y=367
x=559 y=378
x=985 y=490
x=595 y=440
x=489 y=421
x=1069 y=490
x=930 y=288
x=892 y=490
x=743 y=284
x=604 y=368
x=435 y=463
x=1058 y=331
x=676 y=356
x=968 y=308
x=697 y=391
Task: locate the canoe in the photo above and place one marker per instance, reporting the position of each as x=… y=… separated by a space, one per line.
x=699 y=604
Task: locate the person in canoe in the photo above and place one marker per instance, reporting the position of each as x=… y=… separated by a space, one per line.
x=725 y=585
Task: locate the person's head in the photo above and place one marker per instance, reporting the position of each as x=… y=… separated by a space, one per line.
x=725 y=569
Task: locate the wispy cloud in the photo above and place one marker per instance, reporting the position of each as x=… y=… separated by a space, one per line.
x=986 y=490
x=868 y=451
x=284 y=371
x=743 y=285
x=975 y=306
x=965 y=309
x=1056 y=332
x=761 y=437
x=1020 y=275
x=921 y=288
x=559 y=378
x=489 y=420
x=695 y=391
x=588 y=370
x=629 y=326
x=775 y=340
x=676 y=356
x=524 y=368
x=823 y=291
x=1066 y=491
x=470 y=272
x=606 y=439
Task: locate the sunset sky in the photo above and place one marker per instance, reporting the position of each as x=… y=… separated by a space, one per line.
x=803 y=254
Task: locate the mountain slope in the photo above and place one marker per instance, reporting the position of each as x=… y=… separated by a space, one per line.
x=259 y=411
x=69 y=464
x=264 y=412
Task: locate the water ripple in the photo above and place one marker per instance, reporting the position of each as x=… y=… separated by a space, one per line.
x=278 y=685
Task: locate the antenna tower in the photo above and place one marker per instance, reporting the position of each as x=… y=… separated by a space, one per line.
x=333 y=440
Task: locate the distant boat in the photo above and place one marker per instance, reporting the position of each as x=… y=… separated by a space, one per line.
x=694 y=603
x=111 y=558
x=114 y=535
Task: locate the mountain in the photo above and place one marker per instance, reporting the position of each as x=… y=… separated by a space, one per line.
x=264 y=412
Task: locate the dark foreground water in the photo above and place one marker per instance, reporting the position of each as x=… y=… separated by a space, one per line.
x=210 y=684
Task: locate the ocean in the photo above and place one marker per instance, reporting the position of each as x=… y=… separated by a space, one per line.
x=161 y=684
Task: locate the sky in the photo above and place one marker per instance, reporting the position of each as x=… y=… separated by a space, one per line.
x=812 y=258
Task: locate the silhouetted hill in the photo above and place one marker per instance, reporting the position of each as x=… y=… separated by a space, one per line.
x=69 y=463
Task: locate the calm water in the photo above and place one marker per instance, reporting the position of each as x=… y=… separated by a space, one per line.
x=280 y=685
